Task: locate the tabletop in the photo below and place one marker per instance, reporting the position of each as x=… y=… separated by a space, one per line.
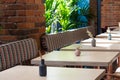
x=53 y=73
x=102 y=40
x=114 y=34
x=88 y=58
x=88 y=47
x=115 y=31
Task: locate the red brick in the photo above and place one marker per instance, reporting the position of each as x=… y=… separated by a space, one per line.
x=25 y=25
x=39 y=19
x=8 y=38
x=8 y=25
x=7 y=1
x=26 y=1
x=31 y=7
x=39 y=13
x=22 y=19
x=17 y=32
x=15 y=7
x=16 y=19
x=38 y=24
x=19 y=6
x=30 y=19
x=41 y=7
x=4 y=32
x=8 y=13
x=35 y=35
x=3 y=19
x=3 y=6
x=24 y=12
x=42 y=29
x=38 y=1
x=110 y=12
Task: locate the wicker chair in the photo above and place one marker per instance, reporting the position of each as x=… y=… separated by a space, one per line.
x=115 y=75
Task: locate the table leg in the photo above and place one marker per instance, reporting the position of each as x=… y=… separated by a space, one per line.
x=98 y=67
x=109 y=71
x=119 y=61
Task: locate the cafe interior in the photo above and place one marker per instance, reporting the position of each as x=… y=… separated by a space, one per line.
x=59 y=39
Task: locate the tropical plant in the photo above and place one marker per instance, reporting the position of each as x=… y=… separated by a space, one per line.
x=80 y=14
x=85 y=11
x=74 y=16
x=57 y=11
x=64 y=13
x=50 y=11
x=67 y=13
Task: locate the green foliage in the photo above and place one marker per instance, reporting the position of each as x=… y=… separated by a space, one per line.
x=74 y=16
x=50 y=11
x=66 y=12
x=77 y=12
x=48 y=29
x=85 y=11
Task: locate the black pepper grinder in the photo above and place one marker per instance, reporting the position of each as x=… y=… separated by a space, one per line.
x=42 y=68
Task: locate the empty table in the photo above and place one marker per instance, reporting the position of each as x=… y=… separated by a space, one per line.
x=53 y=73
x=86 y=58
x=105 y=35
x=88 y=47
x=102 y=40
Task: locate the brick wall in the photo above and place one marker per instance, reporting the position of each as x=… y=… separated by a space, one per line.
x=21 y=19
x=93 y=9
x=110 y=12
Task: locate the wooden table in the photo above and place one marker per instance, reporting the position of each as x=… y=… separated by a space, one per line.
x=53 y=73
x=87 y=47
x=103 y=41
x=106 y=47
x=88 y=58
x=114 y=34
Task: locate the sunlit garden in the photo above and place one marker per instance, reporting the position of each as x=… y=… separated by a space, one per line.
x=62 y=15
